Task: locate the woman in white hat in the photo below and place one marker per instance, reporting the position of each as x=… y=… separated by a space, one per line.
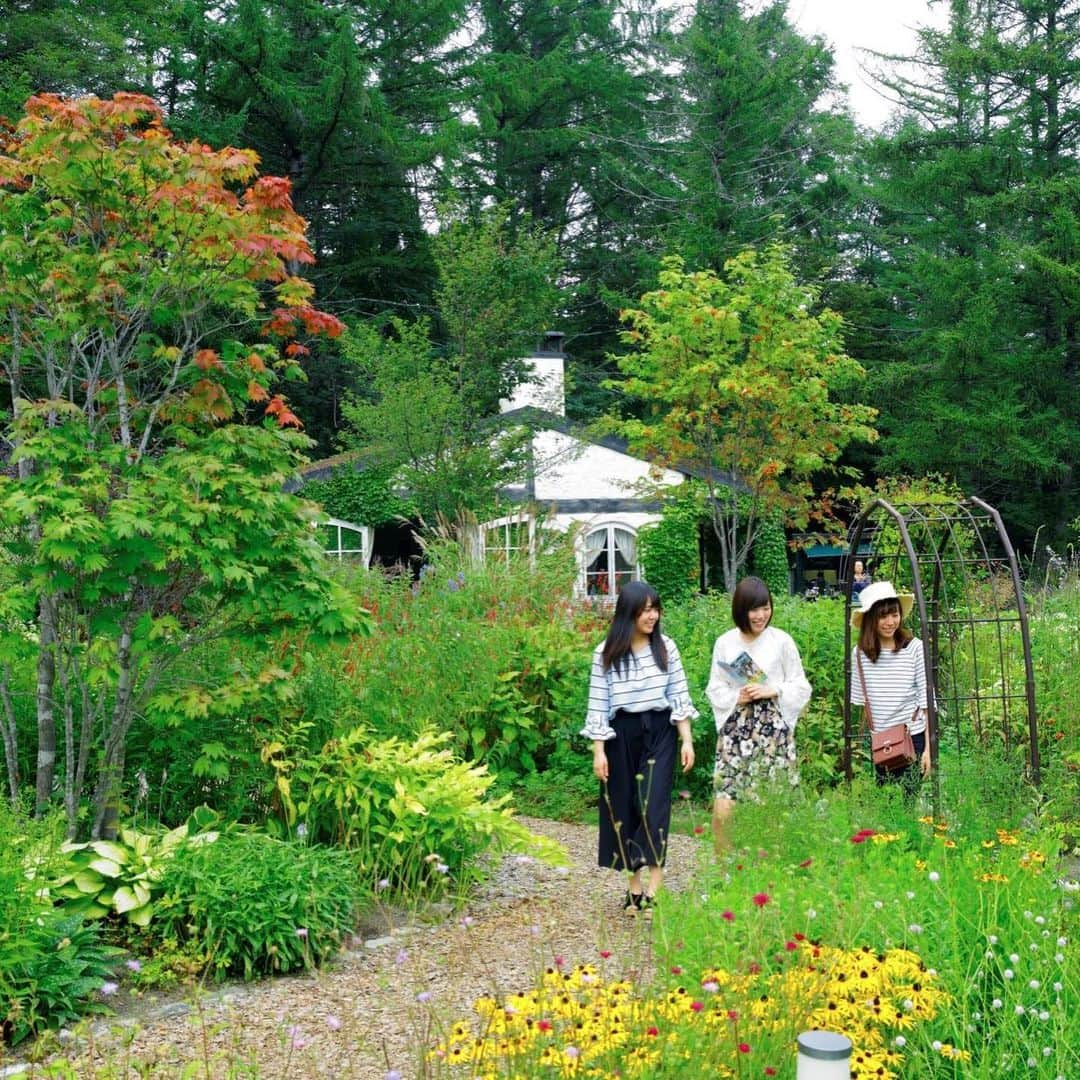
x=887 y=666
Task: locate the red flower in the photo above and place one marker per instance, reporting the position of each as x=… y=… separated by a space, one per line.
x=605 y=953
x=544 y=1025
x=761 y=899
x=699 y=829
x=805 y=863
x=754 y=968
x=696 y=1006
x=676 y=970
x=800 y=937
x=559 y=961
x=728 y=916
x=770 y=1071
x=790 y=946
x=732 y=1015
x=653 y=1031
x=744 y=1048
x=862 y=835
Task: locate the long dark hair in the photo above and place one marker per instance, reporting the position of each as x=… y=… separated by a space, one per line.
x=869 y=642
x=633 y=597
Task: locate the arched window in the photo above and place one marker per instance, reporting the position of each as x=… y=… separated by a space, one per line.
x=509 y=537
x=610 y=559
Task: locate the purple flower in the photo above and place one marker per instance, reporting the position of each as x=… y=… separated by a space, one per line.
x=423 y=997
x=133 y=965
x=109 y=988
x=301 y=931
x=333 y=1023
x=383 y=884
x=442 y=868
x=393 y=1074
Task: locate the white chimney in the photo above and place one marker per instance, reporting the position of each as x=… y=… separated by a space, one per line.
x=545 y=387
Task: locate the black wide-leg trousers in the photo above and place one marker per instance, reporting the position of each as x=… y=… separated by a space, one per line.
x=635 y=803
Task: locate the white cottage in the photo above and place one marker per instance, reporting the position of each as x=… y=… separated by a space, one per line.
x=574 y=482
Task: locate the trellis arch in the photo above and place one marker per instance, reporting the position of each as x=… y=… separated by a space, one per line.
x=955 y=556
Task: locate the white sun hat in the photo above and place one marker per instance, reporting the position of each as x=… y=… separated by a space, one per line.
x=876 y=592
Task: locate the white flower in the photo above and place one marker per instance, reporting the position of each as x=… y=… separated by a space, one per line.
x=936 y=1044
x=1034 y=984
x=909 y=1004
x=1008 y=974
x=1019 y=1010
x=1057 y=988
x=1039 y=920
x=915 y=928
x=996 y=1003
x=1044 y=1016
x=878 y=904
x=934 y=876
x=910 y=895
x=1027 y=915
x=1014 y=958
x=811 y=913
x=989 y=954
x=900 y=1041
x=993 y=939
x=1062 y=942
x=1047 y=1051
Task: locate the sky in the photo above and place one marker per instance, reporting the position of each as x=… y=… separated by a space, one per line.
x=883 y=25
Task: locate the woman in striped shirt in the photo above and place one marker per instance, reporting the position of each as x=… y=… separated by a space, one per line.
x=889 y=669
x=639 y=722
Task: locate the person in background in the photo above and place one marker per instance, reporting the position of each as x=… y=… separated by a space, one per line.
x=638 y=719
x=859 y=579
x=757 y=689
x=888 y=668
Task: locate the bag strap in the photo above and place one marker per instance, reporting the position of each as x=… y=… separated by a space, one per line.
x=868 y=718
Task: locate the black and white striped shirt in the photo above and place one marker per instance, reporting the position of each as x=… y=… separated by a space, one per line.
x=896 y=685
x=637 y=688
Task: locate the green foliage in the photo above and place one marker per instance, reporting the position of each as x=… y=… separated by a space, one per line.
x=142 y=515
x=122 y=876
x=255 y=905
x=364 y=497
x=740 y=379
x=505 y=644
x=416 y=817
x=426 y=413
x=769 y=559
x=668 y=550
x=51 y=963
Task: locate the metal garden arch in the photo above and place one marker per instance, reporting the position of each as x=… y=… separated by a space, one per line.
x=956 y=558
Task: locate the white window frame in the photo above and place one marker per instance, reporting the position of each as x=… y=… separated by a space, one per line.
x=634 y=572
x=342 y=527
x=502 y=526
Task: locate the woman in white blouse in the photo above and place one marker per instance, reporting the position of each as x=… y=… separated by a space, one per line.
x=639 y=721
x=757 y=689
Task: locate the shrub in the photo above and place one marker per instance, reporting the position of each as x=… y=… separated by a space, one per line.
x=256 y=905
x=51 y=963
x=417 y=817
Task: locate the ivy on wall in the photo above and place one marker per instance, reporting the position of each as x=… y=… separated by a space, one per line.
x=364 y=498
x=668 y=550
x=769 y=557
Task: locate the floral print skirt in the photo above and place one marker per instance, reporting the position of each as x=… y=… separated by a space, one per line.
x=753 y=746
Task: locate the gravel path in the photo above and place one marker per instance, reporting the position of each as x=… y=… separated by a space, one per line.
x=361 y=1017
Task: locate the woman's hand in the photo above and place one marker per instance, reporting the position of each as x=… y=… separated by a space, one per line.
x=599 y=762
x=924 y=761
x=758 y=692
x=687 y=755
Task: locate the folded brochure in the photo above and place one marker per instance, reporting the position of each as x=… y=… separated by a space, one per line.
x=742 y=670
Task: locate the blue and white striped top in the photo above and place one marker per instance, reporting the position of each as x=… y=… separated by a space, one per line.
x=638 y=688
x=896 y=685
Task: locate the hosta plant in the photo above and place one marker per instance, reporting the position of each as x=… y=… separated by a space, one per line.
x=121 y=876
